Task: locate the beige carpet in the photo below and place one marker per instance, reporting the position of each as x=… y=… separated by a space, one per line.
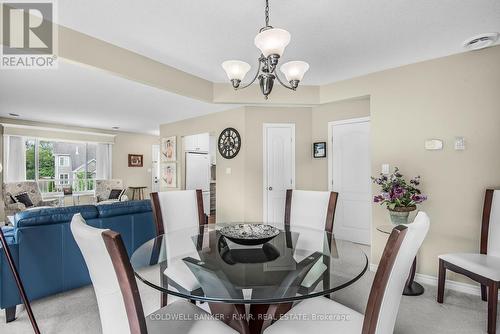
x=76 y=312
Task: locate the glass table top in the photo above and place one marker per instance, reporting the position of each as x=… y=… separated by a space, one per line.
x=201 y=264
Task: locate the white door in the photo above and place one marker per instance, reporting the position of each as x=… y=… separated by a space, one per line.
x=279 y=169
x=155 y=168
x=350 y=170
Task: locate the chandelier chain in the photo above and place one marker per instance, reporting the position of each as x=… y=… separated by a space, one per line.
x=267 y=13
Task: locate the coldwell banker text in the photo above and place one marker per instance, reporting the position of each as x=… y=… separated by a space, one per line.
x=29 y=35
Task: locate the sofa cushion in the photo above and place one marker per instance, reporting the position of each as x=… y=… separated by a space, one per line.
x=47 y=216
x=123 y=208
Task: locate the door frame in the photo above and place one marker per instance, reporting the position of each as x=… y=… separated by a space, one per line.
x=266 y=126
x=330 y=143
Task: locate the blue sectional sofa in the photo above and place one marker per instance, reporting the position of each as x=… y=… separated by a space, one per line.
x=48 y=258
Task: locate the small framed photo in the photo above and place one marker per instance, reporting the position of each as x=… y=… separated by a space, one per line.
x=169 y=175
x=168 y=149
x=319 y=150
x=135 y=160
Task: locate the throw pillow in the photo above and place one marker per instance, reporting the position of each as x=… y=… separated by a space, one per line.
x=115 y=193
x=24 y=198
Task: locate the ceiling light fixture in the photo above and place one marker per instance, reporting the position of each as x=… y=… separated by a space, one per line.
x=272 y=43
x=481 y=41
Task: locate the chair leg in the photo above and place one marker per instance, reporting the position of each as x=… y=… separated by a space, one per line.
x=10 y=314
x=492 y=307
x=483 y=293
x=441 y=281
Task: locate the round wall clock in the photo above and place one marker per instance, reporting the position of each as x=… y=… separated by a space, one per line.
x=229 y=143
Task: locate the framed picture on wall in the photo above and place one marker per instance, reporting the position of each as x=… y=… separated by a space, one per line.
x=169 y=175
x=168 y=148
x=319 y=150
x=135 y=160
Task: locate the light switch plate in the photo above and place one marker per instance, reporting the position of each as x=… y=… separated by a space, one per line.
x=228 y=170
x=433 y=144
x=459 y=143
x=386 y=169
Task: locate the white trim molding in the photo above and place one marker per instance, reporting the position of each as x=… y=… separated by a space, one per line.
x=467 y=288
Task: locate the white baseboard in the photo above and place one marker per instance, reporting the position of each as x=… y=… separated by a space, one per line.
x=470 y=289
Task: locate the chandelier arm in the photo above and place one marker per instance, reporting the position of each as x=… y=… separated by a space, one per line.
x=253 y=80
x=281 y=82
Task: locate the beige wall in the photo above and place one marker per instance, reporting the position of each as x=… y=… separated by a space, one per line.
x=230 y=187
x=131 y=143
x=442 y=98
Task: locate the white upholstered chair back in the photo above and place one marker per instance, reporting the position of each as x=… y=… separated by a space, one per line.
x=112 y=311
x=494 y=225
x=392 y=296
x=179 y=209
x=309 y=208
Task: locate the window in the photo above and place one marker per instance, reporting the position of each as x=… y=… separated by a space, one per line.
x=63 y=179
x=55 y=164
x=63 y=161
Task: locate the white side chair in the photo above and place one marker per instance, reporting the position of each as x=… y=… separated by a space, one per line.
x=311 y=210
x=115 y=286
x=482 y=267
x=385 y=294
x=174 y=211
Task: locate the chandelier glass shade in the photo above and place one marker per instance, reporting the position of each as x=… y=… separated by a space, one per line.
x=272 y=43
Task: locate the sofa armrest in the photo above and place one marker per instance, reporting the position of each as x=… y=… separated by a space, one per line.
x=15 y=207
x=48 y=202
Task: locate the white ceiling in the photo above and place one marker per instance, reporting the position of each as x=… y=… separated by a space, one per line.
x=87 y=97
x=339 y=38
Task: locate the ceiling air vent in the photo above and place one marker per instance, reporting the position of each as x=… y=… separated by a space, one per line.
x=481 y=41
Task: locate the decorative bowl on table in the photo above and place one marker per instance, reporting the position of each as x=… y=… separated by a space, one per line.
x=250 y=234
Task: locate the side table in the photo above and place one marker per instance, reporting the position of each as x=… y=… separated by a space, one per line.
x=139 y=191
x=412 y=288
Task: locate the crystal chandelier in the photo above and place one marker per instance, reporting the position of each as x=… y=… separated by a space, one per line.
x=271 y=42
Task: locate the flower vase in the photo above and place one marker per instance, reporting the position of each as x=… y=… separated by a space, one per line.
x=399 y=215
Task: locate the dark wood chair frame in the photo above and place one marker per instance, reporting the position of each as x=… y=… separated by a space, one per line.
x=486 y=283
x=160 y=227
x=10 y=313
x=381 y=279
x=126 y=279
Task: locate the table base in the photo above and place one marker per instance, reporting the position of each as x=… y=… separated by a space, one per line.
x=413 y=289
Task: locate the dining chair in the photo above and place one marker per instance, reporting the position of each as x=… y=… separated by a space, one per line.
x=482 y=267
x=383 y=301
x=312 y=210
x=118 y=298
x=175 y=211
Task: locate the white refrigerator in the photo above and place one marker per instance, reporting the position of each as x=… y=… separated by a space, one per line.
x=198 y=176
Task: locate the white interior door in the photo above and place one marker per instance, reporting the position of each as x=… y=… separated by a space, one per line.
x=155 y=168
x=279 y=169
x=350 y=170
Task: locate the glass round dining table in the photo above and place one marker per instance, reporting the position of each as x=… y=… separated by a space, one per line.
x=200 y=264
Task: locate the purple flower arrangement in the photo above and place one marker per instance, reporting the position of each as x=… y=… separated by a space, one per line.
x=397 y=192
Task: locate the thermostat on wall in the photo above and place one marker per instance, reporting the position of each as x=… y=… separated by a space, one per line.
x=433 y=144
